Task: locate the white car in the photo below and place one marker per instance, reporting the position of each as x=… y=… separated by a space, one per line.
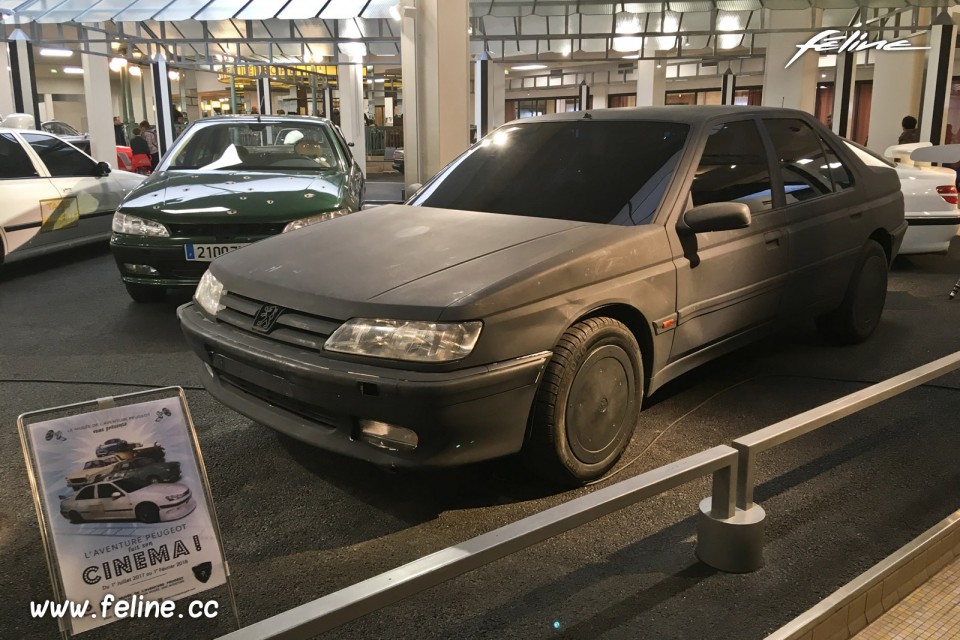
x=54 y=195
x=929 y=199
x=128 y=499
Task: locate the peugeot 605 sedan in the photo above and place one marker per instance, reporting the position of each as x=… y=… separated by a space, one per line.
x=531 y=295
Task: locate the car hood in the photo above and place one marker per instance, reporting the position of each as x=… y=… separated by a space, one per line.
x=254 y=196
x=413 y=262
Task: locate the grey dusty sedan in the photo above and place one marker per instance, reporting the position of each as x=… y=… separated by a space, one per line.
x=530 y=296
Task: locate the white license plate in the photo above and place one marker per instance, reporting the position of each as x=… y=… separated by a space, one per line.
x=208 y=252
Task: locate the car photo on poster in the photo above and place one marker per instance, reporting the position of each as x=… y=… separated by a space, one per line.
x=128 y=499
x=93 y=471
x=146 y=469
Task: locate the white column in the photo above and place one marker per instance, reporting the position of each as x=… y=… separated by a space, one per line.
x=46 y=109
x=600 y=93
x=728 y=88
x=651 y=83
x=489 y=92
x=794 y=87
x=435 y=56
x=264 y=95
x=6 y=83
x=352 y=108
x=896 y=93
x=388 y=112
x=96 y=93
x=938 y=75
x=23 y=77
x=584 y=95
x=161 y=94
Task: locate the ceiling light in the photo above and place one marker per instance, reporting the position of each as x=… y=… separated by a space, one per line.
x=635 y=56
x=73 y=70
x=528 y=67
x=56 y=53
x=728 y=22
x=134 y=71
x=353 y=49
x=823 y=75
x=174 y=75
x=117 y=63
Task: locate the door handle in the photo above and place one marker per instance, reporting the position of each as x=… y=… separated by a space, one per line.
x=772 y=239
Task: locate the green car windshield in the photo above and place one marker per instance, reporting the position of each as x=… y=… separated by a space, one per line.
x=251 y=146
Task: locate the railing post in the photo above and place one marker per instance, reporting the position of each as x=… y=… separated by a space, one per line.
x=746 y=469
x=729 y=538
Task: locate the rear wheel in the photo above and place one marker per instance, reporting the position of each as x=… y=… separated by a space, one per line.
x=588 y=402
x=144 y=293
x=859 y=314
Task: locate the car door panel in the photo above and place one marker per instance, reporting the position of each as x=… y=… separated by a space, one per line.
x=730 y=281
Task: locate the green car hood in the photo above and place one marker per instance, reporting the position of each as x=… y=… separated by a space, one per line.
x=235 y=196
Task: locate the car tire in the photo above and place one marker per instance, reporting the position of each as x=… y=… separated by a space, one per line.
x=859 y=314
x=145 y=293
x=147 y=512
x=75 y=518
x=588 y=402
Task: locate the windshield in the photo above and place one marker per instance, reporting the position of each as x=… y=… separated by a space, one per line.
x=252 y=146
x=603 y=171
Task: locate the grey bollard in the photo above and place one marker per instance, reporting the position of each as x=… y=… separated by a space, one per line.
x=733 y=544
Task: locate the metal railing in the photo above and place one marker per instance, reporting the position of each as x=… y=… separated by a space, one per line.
x=342 y=606
x=731 y=518
x=753 y=444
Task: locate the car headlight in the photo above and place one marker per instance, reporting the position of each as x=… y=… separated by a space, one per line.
x=208 y=294
x=320 y=217
x=405 y=339
x=134 y=226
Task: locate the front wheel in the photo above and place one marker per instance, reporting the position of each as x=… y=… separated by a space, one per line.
x=147 y=512
x=588 y=402
x=859 y=314
x=145 y=293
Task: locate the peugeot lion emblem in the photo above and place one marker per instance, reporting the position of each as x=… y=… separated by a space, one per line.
x=202 y=571
x=266 y=318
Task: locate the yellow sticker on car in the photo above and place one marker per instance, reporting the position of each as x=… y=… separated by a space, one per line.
x=59 y=213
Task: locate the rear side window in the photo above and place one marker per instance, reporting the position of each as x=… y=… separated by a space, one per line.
x=808 y=168
x=734 y=168
x=61 y=159
x=14 y=161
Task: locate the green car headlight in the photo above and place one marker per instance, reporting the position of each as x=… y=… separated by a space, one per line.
x=134 y=226
x=208 y=294
x=415 y=341
x=320 y=217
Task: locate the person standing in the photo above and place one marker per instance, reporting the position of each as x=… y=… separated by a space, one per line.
x=150 y=135
x=910 y=132
x=118 y=133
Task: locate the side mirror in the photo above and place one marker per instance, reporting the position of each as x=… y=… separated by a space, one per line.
x=116 y=494
x=103 y=169
x=715 y=216
x=411 y=190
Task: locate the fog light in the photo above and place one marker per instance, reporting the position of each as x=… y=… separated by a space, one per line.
x=388 y=436
x=140 y=269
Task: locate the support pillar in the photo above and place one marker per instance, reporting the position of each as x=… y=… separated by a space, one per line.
x=263 y=95
x=352 y=108
x=23 y=76
x=728 y=89
x=489 y=92
x=314 y=111
x=600 y=94
x=161 y=95
x=6 y=84
x=935 y=100
x=843 y=94
x=584 y=95
x=435 y=55
x=327 y=101
x=651 y=83
x=795 y=86
x=96 y=92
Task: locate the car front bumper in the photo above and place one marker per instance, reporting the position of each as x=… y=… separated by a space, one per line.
x=459 y=416
x=169 y=260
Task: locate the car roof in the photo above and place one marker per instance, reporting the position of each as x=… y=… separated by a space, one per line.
x=691 y=114
x=264 y=119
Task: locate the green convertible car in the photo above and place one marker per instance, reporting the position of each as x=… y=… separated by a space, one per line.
x=227 y=182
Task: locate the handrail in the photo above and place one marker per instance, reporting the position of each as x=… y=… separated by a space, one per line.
x=750 y=445
x=340 y=607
